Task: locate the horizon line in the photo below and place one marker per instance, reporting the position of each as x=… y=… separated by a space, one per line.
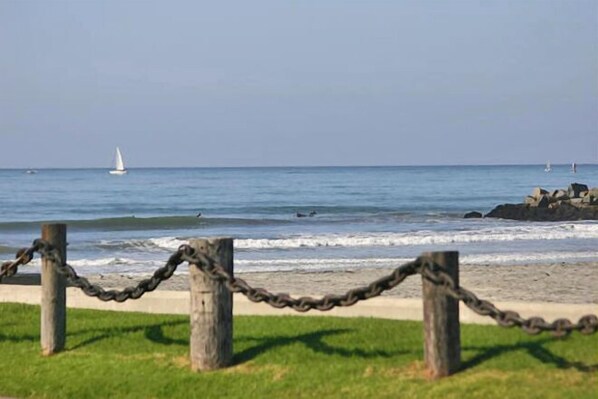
x=289 y=166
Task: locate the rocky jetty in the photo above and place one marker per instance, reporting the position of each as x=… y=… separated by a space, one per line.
x=577 y=202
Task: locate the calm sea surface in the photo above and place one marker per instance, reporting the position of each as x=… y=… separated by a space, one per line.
x=365 y=216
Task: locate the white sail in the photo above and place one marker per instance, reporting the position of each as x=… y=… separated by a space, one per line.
x=119 y=168
x=119 y=160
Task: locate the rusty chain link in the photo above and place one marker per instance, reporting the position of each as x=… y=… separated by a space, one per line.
x=534 y=325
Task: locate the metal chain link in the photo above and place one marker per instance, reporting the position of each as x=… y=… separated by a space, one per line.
x=24 y=256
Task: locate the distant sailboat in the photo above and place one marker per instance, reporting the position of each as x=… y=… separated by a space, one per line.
x=573 y=167
x=119 y=168
x=548 y=168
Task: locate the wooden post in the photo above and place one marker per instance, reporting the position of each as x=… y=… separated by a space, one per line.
x=442 y=336
x=53 y=308
x=211 y=310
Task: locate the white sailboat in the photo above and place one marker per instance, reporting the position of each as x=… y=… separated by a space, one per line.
x=573 y=167
x=119 y=168
x=548 y=168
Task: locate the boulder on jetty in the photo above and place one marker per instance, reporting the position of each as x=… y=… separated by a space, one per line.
x=578 y=202
x=473 y=215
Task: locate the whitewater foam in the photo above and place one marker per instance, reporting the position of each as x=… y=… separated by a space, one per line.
x=499 y=234
x=537 y=232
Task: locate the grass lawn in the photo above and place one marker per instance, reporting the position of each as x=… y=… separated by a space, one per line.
x=132 y=355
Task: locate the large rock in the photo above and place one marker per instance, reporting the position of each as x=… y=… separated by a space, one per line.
x=576 y=202
x=538 y=192
x=542 y=202
x=510 y=211
x=560 y=195
x=529 y=200
x=591 y=197
x=593 y=191
x=472 y=215
x=575 y=190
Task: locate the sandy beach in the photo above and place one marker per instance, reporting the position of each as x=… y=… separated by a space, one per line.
x=552 y=283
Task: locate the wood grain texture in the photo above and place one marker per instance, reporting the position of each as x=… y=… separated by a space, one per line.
x=442 y=333
x=211 y=309
x=53 y=306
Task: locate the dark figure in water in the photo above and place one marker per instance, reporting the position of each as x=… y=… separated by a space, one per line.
x=302 y=215
x=198 y=215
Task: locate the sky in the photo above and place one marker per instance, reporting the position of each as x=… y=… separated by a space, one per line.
x=298 y=83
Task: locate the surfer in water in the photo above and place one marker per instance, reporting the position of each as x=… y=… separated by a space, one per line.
x=303 y=215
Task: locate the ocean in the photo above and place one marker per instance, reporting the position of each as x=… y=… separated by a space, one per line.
x=376 y=217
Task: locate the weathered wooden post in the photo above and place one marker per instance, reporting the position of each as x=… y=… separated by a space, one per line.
x=53 y=307
x=211 y=310
x=442 y=336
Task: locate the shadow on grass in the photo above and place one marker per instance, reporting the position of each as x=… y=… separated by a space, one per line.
x=18 y=338
x=535 y=349
x=152 y=332
x=313 y=341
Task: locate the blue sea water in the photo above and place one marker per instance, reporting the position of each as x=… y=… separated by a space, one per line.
x=365 y=216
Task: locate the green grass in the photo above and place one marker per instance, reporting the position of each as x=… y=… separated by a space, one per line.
x=133 y=355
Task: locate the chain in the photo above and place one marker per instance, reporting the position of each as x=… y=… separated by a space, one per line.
x=48 y=251
x=147 y=285
x=24 y=256
x=587 y=324
x=534 y=325
x=303 y=304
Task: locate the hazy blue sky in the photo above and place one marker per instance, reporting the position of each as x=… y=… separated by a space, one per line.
x=321 y=82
